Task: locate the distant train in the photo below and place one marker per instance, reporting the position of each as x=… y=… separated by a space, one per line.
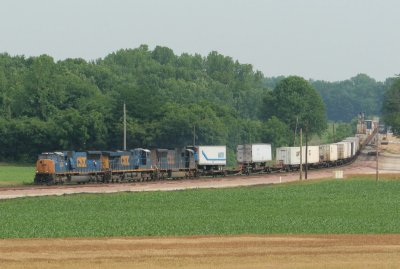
x=189 y=162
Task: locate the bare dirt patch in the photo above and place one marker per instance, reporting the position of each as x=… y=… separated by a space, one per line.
x=393 y=146
x=277 y=251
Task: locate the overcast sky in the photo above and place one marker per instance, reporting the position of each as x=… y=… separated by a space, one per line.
x=318 y=39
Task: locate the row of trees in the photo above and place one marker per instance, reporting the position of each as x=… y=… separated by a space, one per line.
x=75 y=104
x=391 y=106
x=347 y=98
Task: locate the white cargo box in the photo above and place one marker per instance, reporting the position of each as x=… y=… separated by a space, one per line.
x=328 y=153
x=290 y=155
x=253 y=153
x=356 y=142
x=355 y=138
x=212 y=155
x=349 y=151
x=352 y=146
x=343 y=150
x=313 y=154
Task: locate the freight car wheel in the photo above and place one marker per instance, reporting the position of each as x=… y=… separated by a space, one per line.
x=49 y=179
x=107 y=176
x=38 y=179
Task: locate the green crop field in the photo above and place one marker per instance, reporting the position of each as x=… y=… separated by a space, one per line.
x=11 y=174
x=336 y=206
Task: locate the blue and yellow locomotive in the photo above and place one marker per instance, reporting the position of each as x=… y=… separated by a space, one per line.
x=114 y=166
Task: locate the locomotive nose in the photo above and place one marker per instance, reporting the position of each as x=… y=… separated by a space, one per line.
x=45 y=166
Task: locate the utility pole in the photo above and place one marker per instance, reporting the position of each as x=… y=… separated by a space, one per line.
x=194 y=135
x=124 y=126
x=295 y=131
x=333 y=132
x=306 y=166
x=377 y=155
x=301 y=153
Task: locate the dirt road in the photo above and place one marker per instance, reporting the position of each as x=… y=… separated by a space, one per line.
x=279 y=251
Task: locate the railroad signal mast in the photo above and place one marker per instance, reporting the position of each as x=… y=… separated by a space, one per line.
x=361 y=127
x=124 y=126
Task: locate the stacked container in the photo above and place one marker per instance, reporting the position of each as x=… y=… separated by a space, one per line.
x=313 y=154
x=211 y=155
x=253 y=153
x=344 y=150
x=328 y=153
x=291 y=155
x=356 y=143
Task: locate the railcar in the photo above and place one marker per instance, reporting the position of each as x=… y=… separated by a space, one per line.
x=254 y=158
x=121 y=166
x=67 y=166
x=328 y=154
x=174 y=163
x=210 y=160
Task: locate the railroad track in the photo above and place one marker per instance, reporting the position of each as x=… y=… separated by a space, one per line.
x=132 y=183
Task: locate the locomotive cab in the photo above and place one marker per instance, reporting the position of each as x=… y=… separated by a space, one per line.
x=188 y=157
x=141 y=158
x=47 y=165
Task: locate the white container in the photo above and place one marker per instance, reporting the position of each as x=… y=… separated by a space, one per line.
x=361 y=138
x=343 y=150
x=356 y=138
x=356 y=142
x=211 y=155
x=328 y=153
x=290 y=155
x=352 y=146
x=313 y=154
x=253 y=153
x=340 y=151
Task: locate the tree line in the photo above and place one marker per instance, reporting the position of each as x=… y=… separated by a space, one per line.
x=73 y=104
x=347 y=98
x=391 y=105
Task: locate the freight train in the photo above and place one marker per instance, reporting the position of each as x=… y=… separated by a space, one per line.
x=189 y=162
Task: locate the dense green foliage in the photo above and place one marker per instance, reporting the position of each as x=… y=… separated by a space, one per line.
x=334 y=133
x=391 y=106
x=74 y=104
x=344 y=100
x=16 y=174
x=295 y=102
x=77 y=105
x=336 y=206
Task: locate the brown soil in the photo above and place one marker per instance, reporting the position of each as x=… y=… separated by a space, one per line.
x=393 y=146
x=277 y=251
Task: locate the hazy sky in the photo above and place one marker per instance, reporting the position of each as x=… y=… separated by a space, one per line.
x=318 y=39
